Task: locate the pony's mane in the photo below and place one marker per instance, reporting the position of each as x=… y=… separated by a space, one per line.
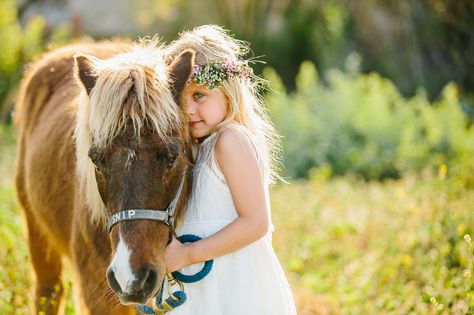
x=131 y=88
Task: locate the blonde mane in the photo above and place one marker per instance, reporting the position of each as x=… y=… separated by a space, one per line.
x=132 y=87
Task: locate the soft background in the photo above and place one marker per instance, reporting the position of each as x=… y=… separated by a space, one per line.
x=375 y=103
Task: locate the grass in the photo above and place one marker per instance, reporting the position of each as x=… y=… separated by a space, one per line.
x=347 y=246
x=372 y=248
x=14 y=260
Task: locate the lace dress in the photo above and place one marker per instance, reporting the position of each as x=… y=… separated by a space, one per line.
x=248 y=281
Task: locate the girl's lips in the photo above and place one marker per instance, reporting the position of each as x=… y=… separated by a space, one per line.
x=194 y=123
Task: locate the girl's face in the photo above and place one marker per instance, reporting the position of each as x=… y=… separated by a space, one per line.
x=205 y=108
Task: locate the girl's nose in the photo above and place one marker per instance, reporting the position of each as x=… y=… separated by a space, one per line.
x=190 y=108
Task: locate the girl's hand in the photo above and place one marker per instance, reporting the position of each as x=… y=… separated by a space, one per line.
x=176 y=256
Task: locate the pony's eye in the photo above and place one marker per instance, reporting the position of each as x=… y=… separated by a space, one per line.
x=98 y=165
x=96 y=157
x=171 y=162
x=98 y=168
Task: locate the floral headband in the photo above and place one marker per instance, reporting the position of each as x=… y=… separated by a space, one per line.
x=215 y=72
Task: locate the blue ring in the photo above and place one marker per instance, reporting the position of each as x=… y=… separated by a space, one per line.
x=190 y=238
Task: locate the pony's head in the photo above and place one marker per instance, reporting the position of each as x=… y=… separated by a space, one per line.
x=133 y=153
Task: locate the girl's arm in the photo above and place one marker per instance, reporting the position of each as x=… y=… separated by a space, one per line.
x=237 y=160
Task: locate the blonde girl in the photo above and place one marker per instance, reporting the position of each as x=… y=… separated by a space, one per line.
x=229 y=207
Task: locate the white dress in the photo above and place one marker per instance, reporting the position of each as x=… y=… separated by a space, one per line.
x=249 y=281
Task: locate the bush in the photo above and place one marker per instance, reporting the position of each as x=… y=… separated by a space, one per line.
x=18 y=46
x=359 y=123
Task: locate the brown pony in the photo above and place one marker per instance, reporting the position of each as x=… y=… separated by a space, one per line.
x=99 y=133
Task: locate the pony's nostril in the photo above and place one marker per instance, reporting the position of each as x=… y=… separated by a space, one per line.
x=139 y=288
x=145 y=280
x=113 y=281
x=150 y=281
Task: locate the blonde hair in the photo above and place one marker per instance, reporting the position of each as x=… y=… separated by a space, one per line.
x=246 y=106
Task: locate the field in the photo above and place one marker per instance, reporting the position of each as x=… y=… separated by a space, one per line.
x=348 y=246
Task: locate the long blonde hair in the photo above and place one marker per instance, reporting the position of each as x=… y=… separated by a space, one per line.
x=246 y=106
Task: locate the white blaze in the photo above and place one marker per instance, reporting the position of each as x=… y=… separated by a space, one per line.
x=121 y=265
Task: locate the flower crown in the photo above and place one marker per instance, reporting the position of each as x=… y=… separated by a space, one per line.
x=215 y=72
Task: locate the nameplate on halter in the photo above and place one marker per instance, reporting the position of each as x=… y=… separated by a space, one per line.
x=123 y=215
x=138 y=214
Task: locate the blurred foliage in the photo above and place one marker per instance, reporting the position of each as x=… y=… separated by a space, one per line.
x=18 y=45
x=424 y=43
x=283 y=33
x=359 y=123
x=416 y=43
x=341 y=120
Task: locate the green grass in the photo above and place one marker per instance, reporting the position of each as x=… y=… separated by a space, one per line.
x=372 y=248
x=14 y=261
x=348 y=247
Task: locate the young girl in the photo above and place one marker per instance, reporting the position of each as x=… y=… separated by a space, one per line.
x=229 y=207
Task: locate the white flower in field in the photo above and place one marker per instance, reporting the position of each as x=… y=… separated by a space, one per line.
x=467 y=238
x=467 y=274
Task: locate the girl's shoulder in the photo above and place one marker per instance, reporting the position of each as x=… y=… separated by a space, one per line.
x=235 y=145
x=235 y=139
x=231 y=147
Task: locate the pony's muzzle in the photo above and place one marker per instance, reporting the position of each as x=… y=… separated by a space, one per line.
x=139 y=289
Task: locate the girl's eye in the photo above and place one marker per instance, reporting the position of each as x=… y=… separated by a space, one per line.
x=198 y=95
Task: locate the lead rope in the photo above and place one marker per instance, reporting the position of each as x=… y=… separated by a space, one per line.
x=173 y=300
x=176 y=298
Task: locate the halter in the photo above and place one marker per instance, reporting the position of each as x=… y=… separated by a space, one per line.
x=164 y=215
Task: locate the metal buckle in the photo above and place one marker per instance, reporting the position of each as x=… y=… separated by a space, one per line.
x=171 y=282
x=170 y=220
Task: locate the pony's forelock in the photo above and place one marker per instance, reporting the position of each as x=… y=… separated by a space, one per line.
x=131 y=88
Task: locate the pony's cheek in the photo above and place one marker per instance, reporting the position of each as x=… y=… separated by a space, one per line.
x=114 y=238
x=102 y=187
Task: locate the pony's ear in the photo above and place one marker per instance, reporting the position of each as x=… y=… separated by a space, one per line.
x=180 y=72
x=84 y=70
